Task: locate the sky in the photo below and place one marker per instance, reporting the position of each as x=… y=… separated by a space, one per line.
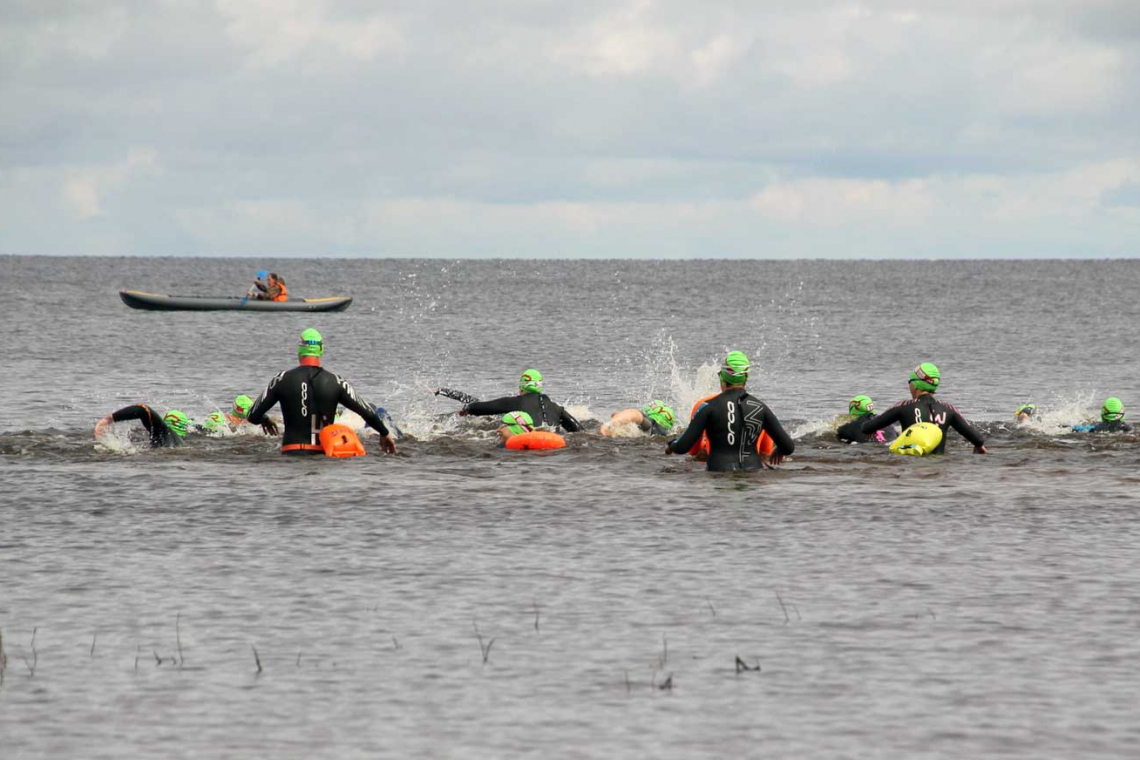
x=584 y=129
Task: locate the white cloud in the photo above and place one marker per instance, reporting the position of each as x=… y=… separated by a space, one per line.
x=277 y=31
x=85 y=188
x=624 y=43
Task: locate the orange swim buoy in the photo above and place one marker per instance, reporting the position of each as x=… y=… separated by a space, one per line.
x=341 y=441
x=536 y=439
x=765 y=445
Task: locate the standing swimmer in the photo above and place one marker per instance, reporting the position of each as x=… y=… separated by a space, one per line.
x=734 y=421
x=309 y=395
x=923 y=407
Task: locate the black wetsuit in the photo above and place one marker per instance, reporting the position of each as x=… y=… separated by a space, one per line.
x=309 y=397
x=160 y=432
x=541 y=409
x=852 y=432
x=734 y=421
x=925 y=408
x=652 y=426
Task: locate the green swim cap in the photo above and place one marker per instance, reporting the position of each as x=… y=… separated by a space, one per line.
x=660 y=413
x=312 y=344
x=1112 y=410
x=861 y=406
x=242 y=405
x=735 y=369
x=531 y=381
x=925 y=377
x=1026 y=409
x=177 y=421
x=215 y=422
x=518 y=422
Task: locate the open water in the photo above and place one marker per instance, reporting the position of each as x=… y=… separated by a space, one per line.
x=459 y=600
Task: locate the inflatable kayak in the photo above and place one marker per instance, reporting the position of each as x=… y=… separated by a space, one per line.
x=137 y=299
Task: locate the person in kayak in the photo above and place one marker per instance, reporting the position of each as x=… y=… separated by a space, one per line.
x=308 y=395
x=1025 y=413
x=259 y=286
x=273 y=289
x=530 y=399
x=734 y=421
x=1111 y=419
x=923 y=407
x=165 y=430
x=859 y=410
x=655 y=418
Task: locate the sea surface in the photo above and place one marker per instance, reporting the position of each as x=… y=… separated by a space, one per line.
x=462 y=601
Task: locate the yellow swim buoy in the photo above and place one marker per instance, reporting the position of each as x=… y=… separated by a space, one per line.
x=918 y=440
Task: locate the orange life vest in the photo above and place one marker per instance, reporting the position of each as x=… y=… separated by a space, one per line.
x=765 y=445
x=536 y=439
x=284 y=294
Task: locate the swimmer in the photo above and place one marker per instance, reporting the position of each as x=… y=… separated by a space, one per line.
x=219 y=421
x=923 y=407
x=309 y=395
x=734 y=422
x=1111 y=419
x=514 y=423
x=1025 y=413
x=859 y=410
x=167 y=430
x=530 y=399
x=655 y=418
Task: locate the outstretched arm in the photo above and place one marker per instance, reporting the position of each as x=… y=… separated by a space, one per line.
x=692 y=433
x=494 y=406
x=785 y=446
x=263 y=404
x=350 y=400
x=568 y=423
x=889 y=417
x=958 y=422
x=454 y=395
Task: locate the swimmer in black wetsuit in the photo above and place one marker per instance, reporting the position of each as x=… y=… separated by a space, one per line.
x=167 y=430
x=309 y=395
x=860 y=409
x=531 y=400
x=734 y=421
x=923 y=407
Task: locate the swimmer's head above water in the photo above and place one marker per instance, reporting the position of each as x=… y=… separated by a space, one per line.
x=734 y=369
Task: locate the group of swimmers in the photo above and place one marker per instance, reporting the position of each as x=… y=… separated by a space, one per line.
x=730 y=430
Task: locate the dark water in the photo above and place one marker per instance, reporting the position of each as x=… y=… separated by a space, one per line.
x=954 y=607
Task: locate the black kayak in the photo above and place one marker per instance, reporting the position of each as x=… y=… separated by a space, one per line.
x=137 y=299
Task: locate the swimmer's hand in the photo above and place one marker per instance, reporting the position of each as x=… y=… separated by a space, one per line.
x=462 y=412
x=980 y=450
x=388 y=443
x=269 y=427
x=775 y=459
x=669 y=447
x=101 y=426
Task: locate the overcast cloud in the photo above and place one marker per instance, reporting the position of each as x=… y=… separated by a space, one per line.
x=933 y=128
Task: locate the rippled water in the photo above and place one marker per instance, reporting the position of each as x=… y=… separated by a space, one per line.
x=954 y=607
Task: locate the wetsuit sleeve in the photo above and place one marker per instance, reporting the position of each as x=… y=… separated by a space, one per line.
x=495 y=406
x=784 y=443
x=958 y=422
x=264 y=402
x=454 y=395
x=568 y=423
x=692 y=433
x=889 y=417
x=349 y=399
x=140 y=412
x=851 y=431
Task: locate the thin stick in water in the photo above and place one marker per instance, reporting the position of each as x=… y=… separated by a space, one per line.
x=536 y=616
x=711 y=608
x=256 y=658
x=178 y=637
x=785 y=609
